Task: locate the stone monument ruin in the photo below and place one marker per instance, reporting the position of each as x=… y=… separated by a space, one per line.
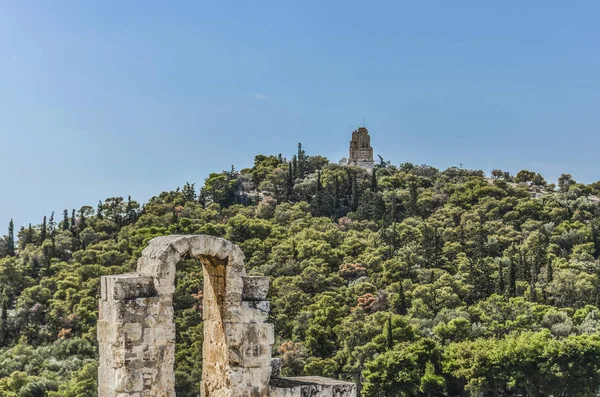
x=136 y=331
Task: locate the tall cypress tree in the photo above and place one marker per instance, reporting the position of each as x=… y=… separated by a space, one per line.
x=52 y=226
x=65 y=222
x=295 y=167
x=534 y=271
x=301 y=161
x=354 y=199
x=73 y=221
x=43 y=232
x=401 y=306
x=390 y=336
x=336 y=193
x=374 y=181
x=29 y=235
x=290 y=181
x=99 y=210
x=4 y=318
x=319 y=186
x=393 y=210
x=512 y=279
x=501 y=286
x=550 y=271
x=11 y=238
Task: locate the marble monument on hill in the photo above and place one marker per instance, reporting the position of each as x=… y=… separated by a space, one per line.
x=136 y=332
x=361 y=152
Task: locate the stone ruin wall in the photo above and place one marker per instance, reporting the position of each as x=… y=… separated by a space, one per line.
x=136 y=330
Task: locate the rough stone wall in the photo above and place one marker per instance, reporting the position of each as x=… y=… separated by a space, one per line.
x=136 y=331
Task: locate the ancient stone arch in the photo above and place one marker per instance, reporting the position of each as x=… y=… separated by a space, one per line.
x=136 y=331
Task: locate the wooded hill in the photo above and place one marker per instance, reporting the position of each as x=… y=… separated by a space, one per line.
x=410 y=282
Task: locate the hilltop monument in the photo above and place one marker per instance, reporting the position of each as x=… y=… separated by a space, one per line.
x=361 y=152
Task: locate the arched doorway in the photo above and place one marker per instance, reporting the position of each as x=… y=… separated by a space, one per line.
x=136 y=331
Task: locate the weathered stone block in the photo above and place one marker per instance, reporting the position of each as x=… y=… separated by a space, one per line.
x=126 y=286
x=255 y=311
x=255 y=288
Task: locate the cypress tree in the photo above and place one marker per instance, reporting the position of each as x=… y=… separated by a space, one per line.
x=301 y=161
x=336 y=195
x=290 y=181
x=99 y=210
x=43 y=232
x=501 y=286
x=550 y=271
x=82 y=219
x=512 y=279
x=65 y=222
x=393 y=211
x=401 y=306
x=295 y=167
x=73 y=221
x=11 y=238
x=390 y=336
x=4 y=318
x=29 y=234
x=533 y=296
x=319 y=186
x=374 y=181
x=354 y=198
x=52 y=226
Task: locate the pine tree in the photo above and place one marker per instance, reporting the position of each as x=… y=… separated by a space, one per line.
x=188 y=192
x=43 y=232
x=11 y=238
x=65 y=222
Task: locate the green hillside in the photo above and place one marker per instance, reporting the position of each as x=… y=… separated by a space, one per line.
x=410 y=282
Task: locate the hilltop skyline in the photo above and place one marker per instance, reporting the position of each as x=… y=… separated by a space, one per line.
x=107 y=99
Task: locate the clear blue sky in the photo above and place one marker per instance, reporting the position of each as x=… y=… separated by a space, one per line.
x=107 y=98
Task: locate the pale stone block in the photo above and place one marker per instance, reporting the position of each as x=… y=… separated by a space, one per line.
x=133 y=331
x=255 y=311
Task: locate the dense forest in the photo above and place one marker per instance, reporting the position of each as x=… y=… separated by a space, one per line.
x=409 y=281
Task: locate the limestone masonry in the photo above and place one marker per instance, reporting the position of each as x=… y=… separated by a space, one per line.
x=136 y=331
x=361 y=152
